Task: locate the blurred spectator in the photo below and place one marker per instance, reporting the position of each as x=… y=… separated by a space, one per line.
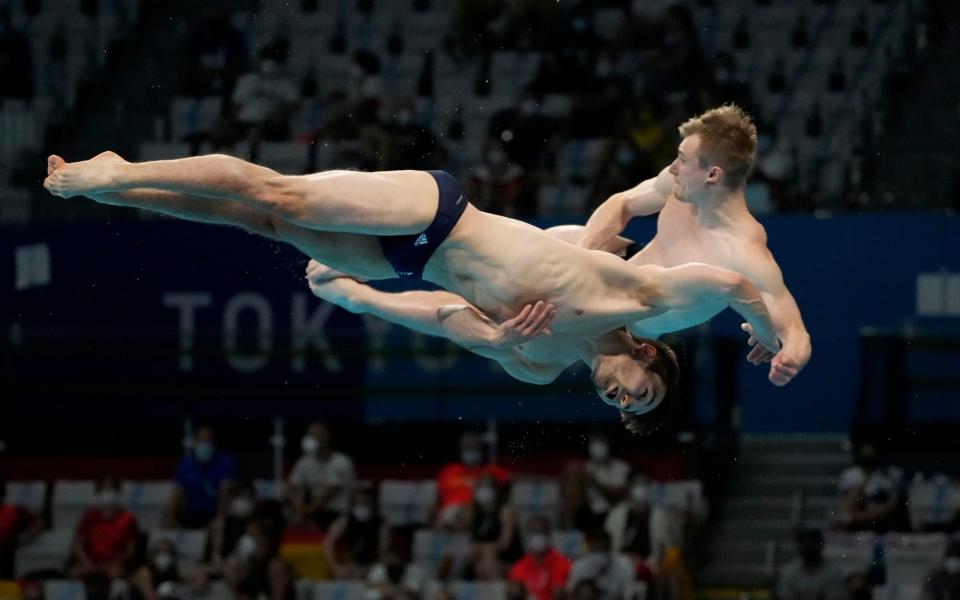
x=871 y=494
x=321 y=479
x=586 y=589
x=456 y=480
x=366 y=87
x=524 y=132
x=642 y=532
x=226 y=529
x=16 y=62
x=200 y=477
x=53 y=72
x=17 y=527
x=470 y=27
x=592 y=488
x=402 y=143
x=500 y=187
x=162 y=576
x=680 y=67
x=252 y=569
x=542 y=571
x=611 y=571
x=494 y=531
x=215 y=54
x=264 y=99
x=810 y=577
x=105 y=540
x=728 y=86
x=396 y=578
x=356 y=538
x=943 y=582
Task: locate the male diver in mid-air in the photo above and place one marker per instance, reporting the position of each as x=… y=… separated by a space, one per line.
x=415 y=224
x=704 y=218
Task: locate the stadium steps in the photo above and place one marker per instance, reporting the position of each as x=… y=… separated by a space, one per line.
x=776 y=481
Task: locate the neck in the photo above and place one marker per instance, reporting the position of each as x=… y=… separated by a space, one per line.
x=722 y=208
x=610 y=343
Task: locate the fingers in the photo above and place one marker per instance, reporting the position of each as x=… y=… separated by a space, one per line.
x=533 y=319
x=543 y=319
x=756 y=355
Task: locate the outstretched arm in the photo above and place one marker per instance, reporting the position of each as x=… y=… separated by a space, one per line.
x=761 y=268
x=611 y=217
x=444 y=314
x=686 y=285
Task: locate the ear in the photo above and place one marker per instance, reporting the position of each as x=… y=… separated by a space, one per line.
x=644 y=350
x=714 y=174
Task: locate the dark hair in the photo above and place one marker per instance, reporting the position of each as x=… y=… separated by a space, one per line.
x=664 y=364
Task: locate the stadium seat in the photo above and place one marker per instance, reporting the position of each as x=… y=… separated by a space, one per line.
x=432 y=548
x=850 y=552
x=70 y=500
x=190 y=543
x=909 y=557
x=30 y=495
x=147 y=500
x=48 y=552
x=407 y=502
x=64 y=589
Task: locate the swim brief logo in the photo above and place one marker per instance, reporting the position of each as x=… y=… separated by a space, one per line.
x=460 y=199
x=405 y=273
x=422 y=240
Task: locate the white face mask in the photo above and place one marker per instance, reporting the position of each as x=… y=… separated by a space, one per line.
x=241 y=507
x=309 y=444
x=246 y=546
x=163 y=561
x=952 y=565
x=639 y=494
x=599 y=451
x=485 y=495
x=203 y=451
x=362 y=513
x=471 y=457
x=107 y=498
x=536 y=543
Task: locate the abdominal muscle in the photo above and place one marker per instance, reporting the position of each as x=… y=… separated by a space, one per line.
x=500 y=264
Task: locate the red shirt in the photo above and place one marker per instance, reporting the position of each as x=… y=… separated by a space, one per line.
x=541 y=578
x=105 y=539
x=455 y=482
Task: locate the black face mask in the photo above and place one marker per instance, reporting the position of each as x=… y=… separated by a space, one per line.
x=395 y=573
x=811 y=555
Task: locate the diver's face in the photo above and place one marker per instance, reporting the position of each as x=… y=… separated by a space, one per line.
x=623 y=382
x=690 y=178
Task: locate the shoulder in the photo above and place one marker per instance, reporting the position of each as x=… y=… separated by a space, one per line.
x=341 y=461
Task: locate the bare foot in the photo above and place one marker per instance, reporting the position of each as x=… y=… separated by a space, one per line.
x=89 y=176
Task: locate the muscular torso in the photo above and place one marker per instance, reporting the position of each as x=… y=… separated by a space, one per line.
x=500 y=264
x=682 y=238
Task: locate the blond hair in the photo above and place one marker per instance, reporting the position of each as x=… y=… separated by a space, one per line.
x=728 y=138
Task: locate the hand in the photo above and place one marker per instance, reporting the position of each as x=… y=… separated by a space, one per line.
x=529 y=324
x=784 y=365
x=80 y=178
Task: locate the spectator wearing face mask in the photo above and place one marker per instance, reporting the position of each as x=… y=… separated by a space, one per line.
x=592 y=488
x=161 y=576
x=943 y=582
x=871 y=494
x=542 y=571
x=228 y=527
x=252 y=569
x=200 y=477
x=106 y=537
x=493 y=530
x=321 y=480
x=263 y=99
x=395 y=578
x=456 y=480
x=810 y=577
x=355 y=539
x=17 y=527
x=611 y=571
x=641 y=531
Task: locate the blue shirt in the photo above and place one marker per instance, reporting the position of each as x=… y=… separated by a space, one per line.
x=201 y=481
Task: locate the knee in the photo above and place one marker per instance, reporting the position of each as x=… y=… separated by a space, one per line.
x=282 y=196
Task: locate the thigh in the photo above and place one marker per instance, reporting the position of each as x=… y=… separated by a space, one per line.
x=379 y=203
x=357 y=255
